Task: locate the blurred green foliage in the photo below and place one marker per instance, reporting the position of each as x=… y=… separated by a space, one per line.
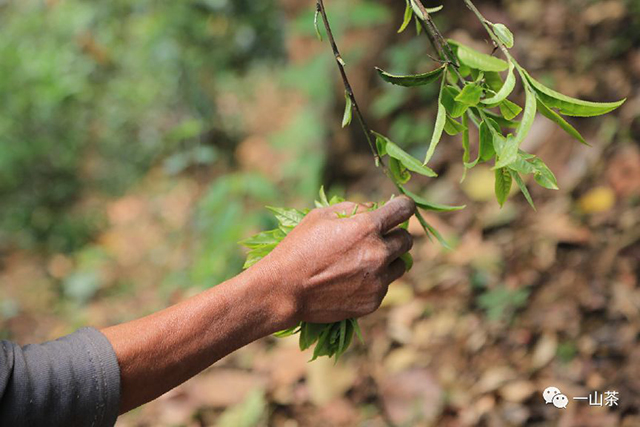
x=92 y=94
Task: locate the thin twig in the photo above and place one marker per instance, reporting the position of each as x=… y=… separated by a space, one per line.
x=363 y=124
x=347 y=86
x=485 y=24
x=435 y=35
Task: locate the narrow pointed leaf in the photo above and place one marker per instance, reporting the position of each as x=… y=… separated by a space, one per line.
x=348 y=110
x=480 y=61
x=431 y=231
x=487 y=152
x=418 y=12
x=453 y=127
x=471 y=94
x=287 y=217
x=411 y=79
x=408 y=161
x=316 y=26
x=529 y=114
x=503 y=185
x=493 y=80
x=504 y=35
x=423 y=203
x=454 y=108
x=543 y=175
x=466 y=156
x=569 y=106
x=555 y=117
x=356 y=328
x=323 y=202
x=398 y=171
x=408 y=14
x=505 y=90
x=512 y=124
x=507 y=151
x=381 y=143
x=509 y=110
x=441 y=119
x=523 y=188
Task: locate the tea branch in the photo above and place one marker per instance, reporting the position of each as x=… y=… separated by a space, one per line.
x=435 y=36
x=347 y=86
x=363 y=124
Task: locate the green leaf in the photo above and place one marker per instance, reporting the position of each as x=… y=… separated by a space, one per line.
x=309 y=333
x=411 y=79
x=408 y=160
x=441 y=119
x=505 y=90
x=288 y=332
x=356 y=328
x=264 y=238
x=466 y=156
x=418 y=12
x=343 y=337
x=426 y=205
x=323 y=202
x=323 y=345
x=523 y=188
x=504 y=35
x=487 y=152
x=398 y=171
x=471 y=94
x=512 y=124
x=522 y=165
x=287 y=217
x=381 y=143
x=454 y=108
x=543 y=175
x=430 y=230
x=503 y=185
x=257 y=254
x=408 y=14
x=348 y=110
x=555 y=117
x=316 y=26
x=528 y=116
x=506 y=150
x=571 y=106
x=493 y=80
x=453 y=127
x=408 y=261
x=509 y=110
x=480 y=61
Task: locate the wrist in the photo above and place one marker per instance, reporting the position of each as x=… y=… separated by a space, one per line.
x=277 y=293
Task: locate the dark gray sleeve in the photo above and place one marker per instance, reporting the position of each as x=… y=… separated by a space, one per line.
x=72 y=381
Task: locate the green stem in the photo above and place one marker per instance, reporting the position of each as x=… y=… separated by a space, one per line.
x=347 y=86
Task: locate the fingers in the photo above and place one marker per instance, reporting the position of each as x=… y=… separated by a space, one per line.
x=395 y=271
x=394 y=213
x=398 y=242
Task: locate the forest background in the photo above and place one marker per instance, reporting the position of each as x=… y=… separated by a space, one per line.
x=140 y=141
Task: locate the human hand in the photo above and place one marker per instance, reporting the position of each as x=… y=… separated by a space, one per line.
x=330 y=268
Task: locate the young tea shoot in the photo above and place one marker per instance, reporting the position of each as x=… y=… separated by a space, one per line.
x=474 y=90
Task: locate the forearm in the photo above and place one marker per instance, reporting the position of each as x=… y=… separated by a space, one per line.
x=162 y=350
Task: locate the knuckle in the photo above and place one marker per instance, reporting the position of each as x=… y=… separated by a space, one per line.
x=407 y=239
x=367 y=222
x=314 y=213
